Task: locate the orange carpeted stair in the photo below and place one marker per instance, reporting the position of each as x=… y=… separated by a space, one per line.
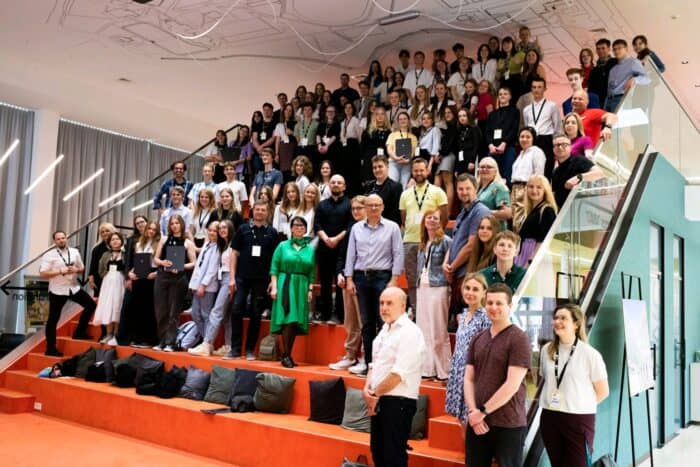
x=248 y=439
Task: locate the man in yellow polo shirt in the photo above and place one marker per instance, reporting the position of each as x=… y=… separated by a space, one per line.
x=414 y=202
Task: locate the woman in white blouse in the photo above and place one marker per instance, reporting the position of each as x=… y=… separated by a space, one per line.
x=485 y=67
x=530 y=161
x=287 y=209
x=430 y=139
x=458 y=80
x=307 y=208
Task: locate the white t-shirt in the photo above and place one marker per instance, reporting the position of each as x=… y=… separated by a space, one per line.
x=54 y=260
x=576 y=389
x=458 y=81
x=530 y=162
x=240 y=193
x=414 y=78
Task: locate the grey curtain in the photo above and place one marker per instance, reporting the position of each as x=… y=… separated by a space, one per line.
x=124 y=160
x=15 y=176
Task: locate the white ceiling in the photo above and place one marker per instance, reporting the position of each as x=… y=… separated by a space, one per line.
x=68 y=55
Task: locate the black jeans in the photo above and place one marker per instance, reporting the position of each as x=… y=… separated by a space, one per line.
x=503 y=444
x=327 y=260
x=258 y=290
x=390 y=429
x=169 y=300
x=369 y=287
x=56 y=303
x=565 y=436
x=544 y=142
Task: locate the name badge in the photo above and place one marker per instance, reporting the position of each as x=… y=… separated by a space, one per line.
x=460 y=156
x=305 y=141
x=112 y=267
x=325 y=139
x=255 y=251
x=345 y=143
x=285 y=139
x=497 y=134
x=263 y=135
x=555 y=401
x=417 y=152
x=380 y=151
x=418 y=218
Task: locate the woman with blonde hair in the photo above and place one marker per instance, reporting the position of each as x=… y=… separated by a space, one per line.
x=310 y=198
x=482 y=254
x=530 y=161
x=373 y=141
x=400 y=164
x=287 y=209
x=432 y=296
x=226 y=210
x=420 y=104
x=493 y=192
x=581 y=144
x=302 y=172
x=540 y=213
x=105 y=231
x=203 y=209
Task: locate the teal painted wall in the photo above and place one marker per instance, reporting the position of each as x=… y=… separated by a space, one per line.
x=662 y=204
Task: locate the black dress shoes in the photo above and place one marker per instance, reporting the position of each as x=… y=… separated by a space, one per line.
x=287 y=362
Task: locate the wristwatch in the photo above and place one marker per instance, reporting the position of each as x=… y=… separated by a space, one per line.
x=482 y=409
x=579 y=177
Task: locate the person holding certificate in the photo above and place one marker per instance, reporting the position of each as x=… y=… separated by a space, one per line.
x=575 y=382
x=175 y=255
x=142 y=319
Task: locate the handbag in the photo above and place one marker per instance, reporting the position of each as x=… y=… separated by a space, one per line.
x=269 y=348
x=360 y=462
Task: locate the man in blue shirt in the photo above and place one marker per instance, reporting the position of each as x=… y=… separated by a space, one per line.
x=178 y=169
x=628 y=72
x=269 y=176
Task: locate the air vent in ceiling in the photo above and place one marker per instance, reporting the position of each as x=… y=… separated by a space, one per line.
x=599 y=30
x=124 y=80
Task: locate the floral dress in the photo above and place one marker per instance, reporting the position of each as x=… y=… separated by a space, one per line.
x=454 y=398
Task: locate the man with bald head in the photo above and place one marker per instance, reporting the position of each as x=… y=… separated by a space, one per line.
x=597 y=123
x=374 y=261
x=393 y=380
x=331 y=223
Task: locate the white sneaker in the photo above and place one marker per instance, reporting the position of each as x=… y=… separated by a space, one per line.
x=113 y=342
x=168 y=348
x=221 y=351
x=203 y=350
x=343 y=364
x=358 y=368
x=105 y=339
x=157 y=348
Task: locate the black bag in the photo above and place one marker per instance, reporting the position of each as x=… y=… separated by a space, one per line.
x=137 y=370
x=69 y=367
x=102 y=371
x=269 y=348
x=171 y=382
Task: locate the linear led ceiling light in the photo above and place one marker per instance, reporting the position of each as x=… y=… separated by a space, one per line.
x=119 y=193
x=143 y=205
x=400 y=18
x=83 y=185
x=12 y=147
x=43 y=175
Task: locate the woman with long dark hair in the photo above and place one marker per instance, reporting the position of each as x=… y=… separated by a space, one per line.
x=142 y=320
x=286 y=141
x=482 y=255
x=485 y=66
x=467 y=144
x=350 y=161
x=328 y=136
x=510 y=68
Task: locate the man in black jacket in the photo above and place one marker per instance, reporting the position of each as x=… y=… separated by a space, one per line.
x=598 y=78
x=502 y=133
x=387 y=189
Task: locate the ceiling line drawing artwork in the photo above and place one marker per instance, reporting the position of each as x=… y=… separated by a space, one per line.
x=318 y=34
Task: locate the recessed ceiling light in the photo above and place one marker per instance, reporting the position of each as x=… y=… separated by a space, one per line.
x=675 y=16
x=684 y=62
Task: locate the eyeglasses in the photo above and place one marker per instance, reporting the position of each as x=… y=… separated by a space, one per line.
x=562 y=145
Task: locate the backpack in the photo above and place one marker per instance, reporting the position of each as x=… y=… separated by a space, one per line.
x=269 y=348
x=187 y=336
x=102 y=371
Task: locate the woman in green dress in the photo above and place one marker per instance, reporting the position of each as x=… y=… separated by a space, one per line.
x=292 y=272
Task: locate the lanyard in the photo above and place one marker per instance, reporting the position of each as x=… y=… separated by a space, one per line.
x=557 y=377
x=392 y=115
x=204 y=253
x=428 y=257
x=305 y=131
x=418 y=75
x=482 y=67
x=66 y=262
x=415 y=193
x=537 y=117
x=201 y=219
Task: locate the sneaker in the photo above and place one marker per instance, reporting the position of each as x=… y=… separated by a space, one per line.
x=334 y=321
x=221 y=351
x=317 y=319
x=250 y=356
x=168 y=348
x=203 y=350
x=140 y=345
x=105 y=339
x=343 y=364
x=230 y=355
x=266 y=314
x=113 y=342
x=359 y=368
x=157 y=348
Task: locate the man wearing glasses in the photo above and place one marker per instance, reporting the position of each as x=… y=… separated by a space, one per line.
x=571 y=171
x=374 y=262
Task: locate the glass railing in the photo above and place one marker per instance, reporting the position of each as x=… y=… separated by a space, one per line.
x=568 y=263
x=23 y=293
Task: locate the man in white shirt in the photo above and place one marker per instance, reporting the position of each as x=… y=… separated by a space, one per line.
x=177 y=196
x=240 y=194
x=417 y=75
x=404 y=62
x=207 y=182
x=543 y=115
x=61 y=266
x=393 y=381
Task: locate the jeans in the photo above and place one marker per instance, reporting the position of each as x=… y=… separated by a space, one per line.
x=258 y=289
x=505 y=444
x=201 y=308
x=390 y=429
x=400 y=173
x=56 y=303
x=220 y=313
x=369 y=287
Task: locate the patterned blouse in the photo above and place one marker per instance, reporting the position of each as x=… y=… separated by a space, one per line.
x=454 y=398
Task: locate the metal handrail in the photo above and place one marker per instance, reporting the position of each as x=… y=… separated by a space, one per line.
x=115 y=206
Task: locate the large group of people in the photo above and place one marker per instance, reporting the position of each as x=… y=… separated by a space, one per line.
x=353 y=188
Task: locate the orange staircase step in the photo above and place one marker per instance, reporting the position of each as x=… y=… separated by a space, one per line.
x=445 y=433
x=13 y=402
x=163 y=421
